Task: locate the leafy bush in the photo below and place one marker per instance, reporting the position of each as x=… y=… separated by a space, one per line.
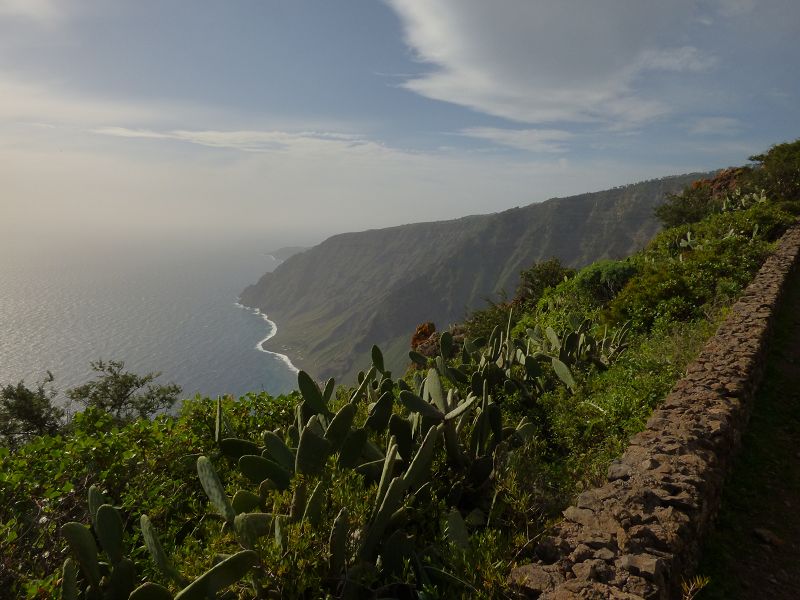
x=533 y=284
x=142 y=465
x=534 y=280
x=706 y=197
x=482 y=322
x=27 y=413
x=689 y=271
x=778 y=171
x=123 y=394
x=600 y=282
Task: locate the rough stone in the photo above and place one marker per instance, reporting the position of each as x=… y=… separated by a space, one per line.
x=647 y=566
x=605 y=554
x=618 y=471
x=583 y=516
x=536 y=578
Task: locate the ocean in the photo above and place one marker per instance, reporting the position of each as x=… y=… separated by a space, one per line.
x=164 y=307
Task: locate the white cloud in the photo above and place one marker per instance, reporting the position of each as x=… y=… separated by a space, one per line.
x=252 y=140
x=131 y=133
x=716 y=126
x=570 y=61
x=47 y=106
x=531 y=140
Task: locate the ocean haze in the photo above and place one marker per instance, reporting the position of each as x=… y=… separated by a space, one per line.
x=159 y=306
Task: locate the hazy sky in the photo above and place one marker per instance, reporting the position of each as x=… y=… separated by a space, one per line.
x=297 y=119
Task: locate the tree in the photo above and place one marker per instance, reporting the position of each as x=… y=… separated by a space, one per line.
x=124 y=395
x=27 y=413
x=601 y=281
x=534 y=280
x=779 y=171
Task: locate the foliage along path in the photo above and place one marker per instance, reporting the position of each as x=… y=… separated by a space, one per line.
x=755 y=550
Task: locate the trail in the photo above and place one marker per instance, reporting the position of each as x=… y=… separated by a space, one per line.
x=755 y=550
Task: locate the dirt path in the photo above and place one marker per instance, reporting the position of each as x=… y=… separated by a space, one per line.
x=755 y=550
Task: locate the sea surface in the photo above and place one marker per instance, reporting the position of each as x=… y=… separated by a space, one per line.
x=156 y=306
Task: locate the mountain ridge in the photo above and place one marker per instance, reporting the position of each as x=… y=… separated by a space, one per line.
x=333 y=301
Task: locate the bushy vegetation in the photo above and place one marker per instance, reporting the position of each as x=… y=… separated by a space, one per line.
x=430 y=485
x=28 y=413
x=123 y=394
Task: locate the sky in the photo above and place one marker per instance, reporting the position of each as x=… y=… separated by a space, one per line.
x=294 y=120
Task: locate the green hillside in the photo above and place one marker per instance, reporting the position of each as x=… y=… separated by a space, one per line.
x=431 y=483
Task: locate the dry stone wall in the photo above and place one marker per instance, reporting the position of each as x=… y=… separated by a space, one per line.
x=640 y=533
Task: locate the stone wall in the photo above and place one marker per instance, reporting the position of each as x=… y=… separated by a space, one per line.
x=638 y=535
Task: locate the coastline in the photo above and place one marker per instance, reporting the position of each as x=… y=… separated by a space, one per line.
x=270 y=334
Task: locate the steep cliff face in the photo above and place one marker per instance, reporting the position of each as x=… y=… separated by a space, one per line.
x=333 y=301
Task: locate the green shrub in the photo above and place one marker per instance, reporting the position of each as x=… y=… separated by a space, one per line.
x=778 y=171
x=534 y=280
x=26 y=413
x=141 y=464
x=482 y=322
x=123 y=394
x=690 y=270
x=600 y=282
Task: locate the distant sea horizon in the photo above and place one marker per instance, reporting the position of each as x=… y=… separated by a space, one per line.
x=165 y=307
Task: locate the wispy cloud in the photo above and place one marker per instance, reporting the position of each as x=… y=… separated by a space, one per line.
x=514 y=60
x=530 y=140
x=248 y=140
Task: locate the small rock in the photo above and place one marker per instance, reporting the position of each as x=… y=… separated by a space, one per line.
x=647 y=566
x=618 y=471
x=584 y=516
x=587 y=500
x=648 y=464
x=598 y=539
x=604 y=554
x=584 y=570
x=536 y=578
x=766 y=536
x=581 y=553
x=682 y=501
